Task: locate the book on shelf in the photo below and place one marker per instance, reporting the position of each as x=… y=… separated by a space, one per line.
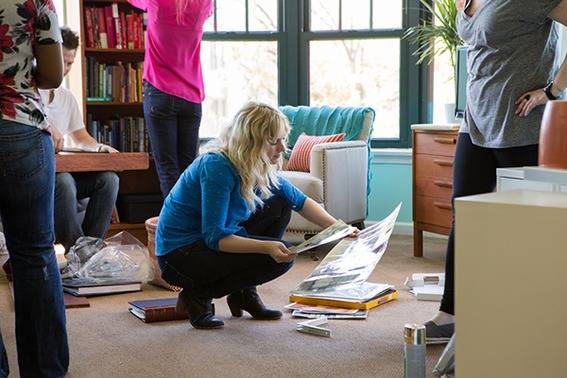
x=156 y=310
x=99 y=99
x=346 y=303
x=108 y=27
x=119 y=82
x=88 y=286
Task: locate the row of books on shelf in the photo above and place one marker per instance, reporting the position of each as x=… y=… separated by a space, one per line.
x=110 y=27
x=120 y=82
x=126 y=134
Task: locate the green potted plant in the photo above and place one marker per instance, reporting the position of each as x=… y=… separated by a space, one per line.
x=437 y=32
x=436 y=35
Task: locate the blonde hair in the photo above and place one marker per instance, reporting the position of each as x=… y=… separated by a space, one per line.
x=244 y=143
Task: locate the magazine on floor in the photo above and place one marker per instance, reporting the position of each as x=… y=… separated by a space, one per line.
x=336 y=231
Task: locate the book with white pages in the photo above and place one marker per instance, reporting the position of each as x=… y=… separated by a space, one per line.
x=87 y=287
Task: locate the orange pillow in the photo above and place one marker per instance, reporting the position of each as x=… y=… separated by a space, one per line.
x=301 y=153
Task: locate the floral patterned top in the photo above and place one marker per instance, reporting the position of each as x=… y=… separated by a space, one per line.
x=23 y=24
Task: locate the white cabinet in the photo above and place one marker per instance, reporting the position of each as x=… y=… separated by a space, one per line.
x=511 y=274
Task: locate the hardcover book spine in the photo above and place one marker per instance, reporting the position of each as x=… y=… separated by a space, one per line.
x=162 y=315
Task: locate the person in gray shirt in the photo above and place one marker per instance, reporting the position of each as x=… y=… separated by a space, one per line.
x=512 y=72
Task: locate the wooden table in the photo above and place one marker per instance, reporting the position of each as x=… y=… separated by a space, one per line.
x=93 y=161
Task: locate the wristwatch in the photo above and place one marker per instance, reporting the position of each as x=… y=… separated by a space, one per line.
x=548 y=92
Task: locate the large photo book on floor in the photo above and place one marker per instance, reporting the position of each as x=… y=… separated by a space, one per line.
x=156 y=310
x=340 y=279
x=88 y=286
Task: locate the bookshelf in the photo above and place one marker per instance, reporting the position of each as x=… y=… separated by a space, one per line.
x=111 y=56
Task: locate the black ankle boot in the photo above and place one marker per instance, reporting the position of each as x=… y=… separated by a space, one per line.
x=201 y=311
x=249 y=301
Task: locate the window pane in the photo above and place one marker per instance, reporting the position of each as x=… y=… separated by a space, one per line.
x=356 y=14
x=443 y=90
x=324 y=14
x=263 y=15
x=60 y=9
x=359 y=73
x=387 y=14
x=231 y=15
x=234 y=73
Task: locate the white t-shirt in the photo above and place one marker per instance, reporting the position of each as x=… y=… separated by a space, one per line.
x=63 y=112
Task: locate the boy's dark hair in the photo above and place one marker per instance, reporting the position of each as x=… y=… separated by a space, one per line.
x=70 y=38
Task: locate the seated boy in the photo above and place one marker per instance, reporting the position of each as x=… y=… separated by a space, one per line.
x=100 y=187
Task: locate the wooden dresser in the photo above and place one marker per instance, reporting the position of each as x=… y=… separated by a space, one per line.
x=432 y=162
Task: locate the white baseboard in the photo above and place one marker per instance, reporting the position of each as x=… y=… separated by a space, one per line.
x=406 y=228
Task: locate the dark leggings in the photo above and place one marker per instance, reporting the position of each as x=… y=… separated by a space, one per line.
x=474 y=172
x=214 y=274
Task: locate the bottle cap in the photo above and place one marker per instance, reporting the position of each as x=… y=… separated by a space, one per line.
x=414 y=334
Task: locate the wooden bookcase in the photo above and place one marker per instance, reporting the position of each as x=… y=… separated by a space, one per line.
x=117 y=107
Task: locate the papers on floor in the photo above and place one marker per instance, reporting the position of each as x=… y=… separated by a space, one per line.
x=426 y=286
x=336 y=231
x=313 y=327
x=340 y=279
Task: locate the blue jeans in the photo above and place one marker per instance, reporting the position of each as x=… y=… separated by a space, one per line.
x=173 y=127
x=27 y=176
x=100 y=187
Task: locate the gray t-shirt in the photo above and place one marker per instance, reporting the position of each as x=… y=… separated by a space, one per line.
x=512 y=48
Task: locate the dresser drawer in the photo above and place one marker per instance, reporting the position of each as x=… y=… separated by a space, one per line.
x=433 y=187
x=440 y=143
x=435 y=166
x=431 y=210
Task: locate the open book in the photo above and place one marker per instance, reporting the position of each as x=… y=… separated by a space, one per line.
x=336 y=231
x=78 y=149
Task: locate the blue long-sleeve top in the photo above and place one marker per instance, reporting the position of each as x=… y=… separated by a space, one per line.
x=206 y=204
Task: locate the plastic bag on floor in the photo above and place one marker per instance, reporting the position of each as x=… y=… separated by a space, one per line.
x=121 y=256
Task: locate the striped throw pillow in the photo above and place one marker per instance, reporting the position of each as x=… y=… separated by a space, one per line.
x=301 y=153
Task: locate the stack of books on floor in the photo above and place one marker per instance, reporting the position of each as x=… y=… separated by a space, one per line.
x=156 y=310
x=362 y=296
x=84 y=287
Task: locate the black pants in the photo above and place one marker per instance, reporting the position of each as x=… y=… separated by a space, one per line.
x=214 y=274
x=474 y=172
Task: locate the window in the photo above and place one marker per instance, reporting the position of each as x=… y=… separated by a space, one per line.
x=60 y=9
x=240 y=59
x=313 y=52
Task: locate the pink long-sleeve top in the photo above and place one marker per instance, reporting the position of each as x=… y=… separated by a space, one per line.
x=172 y=61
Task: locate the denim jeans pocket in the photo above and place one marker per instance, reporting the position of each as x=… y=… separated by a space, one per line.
x=160 y=103
x=21 y=155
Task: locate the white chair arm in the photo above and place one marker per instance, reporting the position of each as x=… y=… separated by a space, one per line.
x=343 y=168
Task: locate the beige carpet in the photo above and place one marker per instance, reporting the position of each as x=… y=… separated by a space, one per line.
x=107 y=341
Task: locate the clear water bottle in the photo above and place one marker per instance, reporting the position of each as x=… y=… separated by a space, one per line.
x=414 y=351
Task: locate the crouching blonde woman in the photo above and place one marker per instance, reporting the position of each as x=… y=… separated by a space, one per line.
x=219 y=231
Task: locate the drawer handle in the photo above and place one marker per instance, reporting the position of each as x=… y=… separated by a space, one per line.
x=443 y=205
x=443 y=163
x=443 y=184
x=445 y=140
